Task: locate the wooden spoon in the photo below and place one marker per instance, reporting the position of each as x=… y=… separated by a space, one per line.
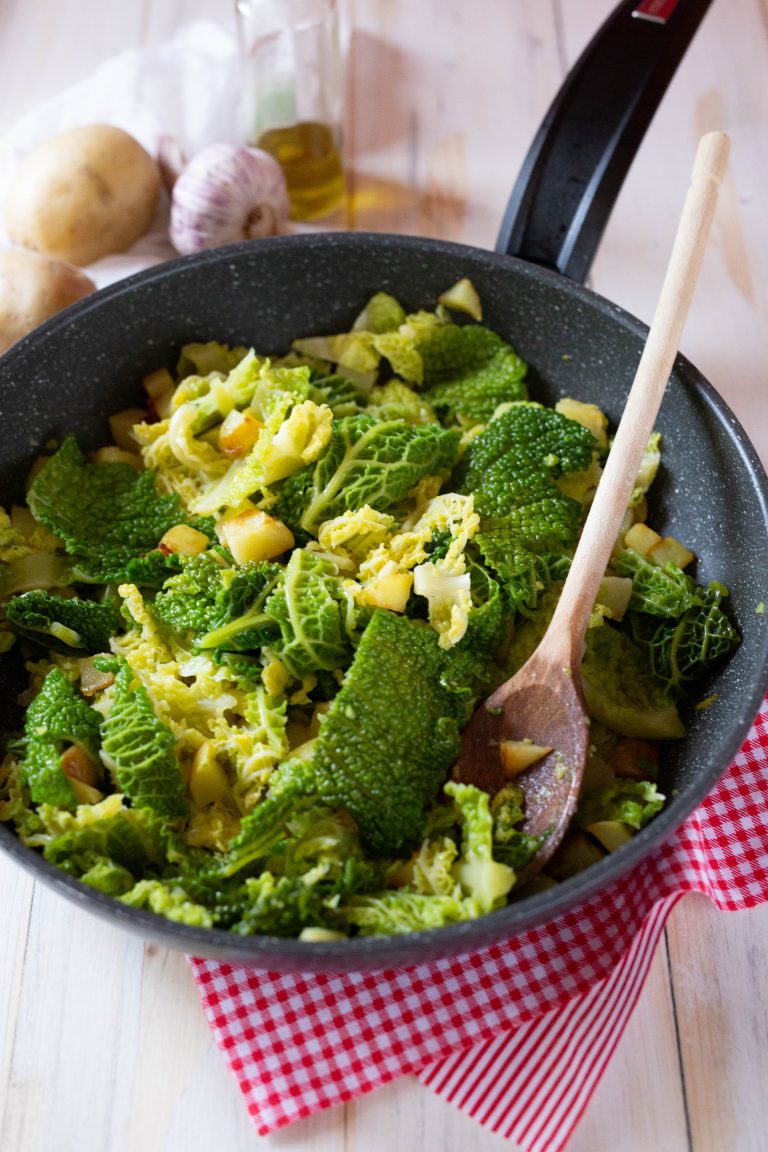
x=543 y=702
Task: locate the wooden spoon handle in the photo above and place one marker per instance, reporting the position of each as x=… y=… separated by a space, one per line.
x=615 y=488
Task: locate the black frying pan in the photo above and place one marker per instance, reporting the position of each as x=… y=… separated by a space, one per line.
x=84 y=364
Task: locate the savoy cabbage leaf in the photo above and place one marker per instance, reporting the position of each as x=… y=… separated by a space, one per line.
x=131 y=839
x=140 y=750
x=310 y=608
x=366 y=462
x=469 y=370
x=666 y=592
x=218 y=606
x=64 y=622
x=107 y=515
x=682 y=651
x=394 y=685
x=56 y=719
x=515 y=461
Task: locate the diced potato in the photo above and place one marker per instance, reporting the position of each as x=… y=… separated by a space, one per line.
x=635 y=759
x=121 y=426
x=581 y=485
x=184 y=540
x=37 y=466
x=320 y=935
x=297 y=732
x=389 y=591
x=463 y=297
x=238 y=433
x=588 y=415
x=163 y=404
x=517 y=755
x=255 y=535
x=111 y=455
x=576 y=853
x=85 y=793
x=208 y=781
x=315 y=723
x=92 y=679
x=612 y=834
x=614 y=594
x=38 y=570
x=158 y=382
x=670 y=551
x=24 y=522
x=641 y=538
x=222 y=396
x=76 y=764
x=490 y=877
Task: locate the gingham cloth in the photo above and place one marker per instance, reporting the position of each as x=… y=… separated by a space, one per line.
x=516 y=1035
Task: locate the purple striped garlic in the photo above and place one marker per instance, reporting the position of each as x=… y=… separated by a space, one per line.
x=227 y=192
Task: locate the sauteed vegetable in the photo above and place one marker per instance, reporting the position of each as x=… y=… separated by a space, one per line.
x=255 y=625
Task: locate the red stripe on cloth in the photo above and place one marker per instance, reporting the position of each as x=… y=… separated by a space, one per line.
x=522 y=1106
x=519 y=1033
x=600 y=1028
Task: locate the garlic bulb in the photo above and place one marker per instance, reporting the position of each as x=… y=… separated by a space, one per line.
x=227 y=192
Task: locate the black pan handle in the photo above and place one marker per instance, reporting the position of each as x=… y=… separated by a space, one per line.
x=576 y=165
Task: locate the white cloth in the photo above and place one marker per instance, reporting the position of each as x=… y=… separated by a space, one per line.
x=187 y=87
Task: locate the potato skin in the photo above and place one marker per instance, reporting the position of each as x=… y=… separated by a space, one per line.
x=83 y=194
x=32 y=288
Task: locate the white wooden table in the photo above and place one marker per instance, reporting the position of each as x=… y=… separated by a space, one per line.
x=103 y=1046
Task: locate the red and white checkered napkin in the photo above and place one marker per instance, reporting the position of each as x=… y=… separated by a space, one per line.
x=518 y=1034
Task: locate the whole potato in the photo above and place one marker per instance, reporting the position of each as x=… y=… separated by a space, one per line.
x=32 y=288
x=83 y=194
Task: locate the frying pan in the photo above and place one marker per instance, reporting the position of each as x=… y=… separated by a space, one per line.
x=76 y=369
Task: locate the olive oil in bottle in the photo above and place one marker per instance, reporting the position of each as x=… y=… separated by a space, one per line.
x=292 y=96
x=311 y=162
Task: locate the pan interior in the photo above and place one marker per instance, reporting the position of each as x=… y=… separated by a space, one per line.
x=84 y=364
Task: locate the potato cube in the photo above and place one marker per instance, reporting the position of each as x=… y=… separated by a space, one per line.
x=208 y=781
x=463 y=297
x=112 y=455
x=162 y=405
x=255 y=535
x=388 y=591
x=76 y=764
x=635 y=759
x=184 y=540
x=121 y=426
x=517 y=755
x=612 y=834
x=670 y=551
x=238 y=433
x=92 y=679
x=588 y=415
x=320 y=935
x=85 y=793
x=614 y=594
x=158 y=382
x=490 y=877
x=24 y=522
x=576 y=853
x=641 y=538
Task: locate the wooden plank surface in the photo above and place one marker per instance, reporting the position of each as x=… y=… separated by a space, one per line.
x=103 y=1047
